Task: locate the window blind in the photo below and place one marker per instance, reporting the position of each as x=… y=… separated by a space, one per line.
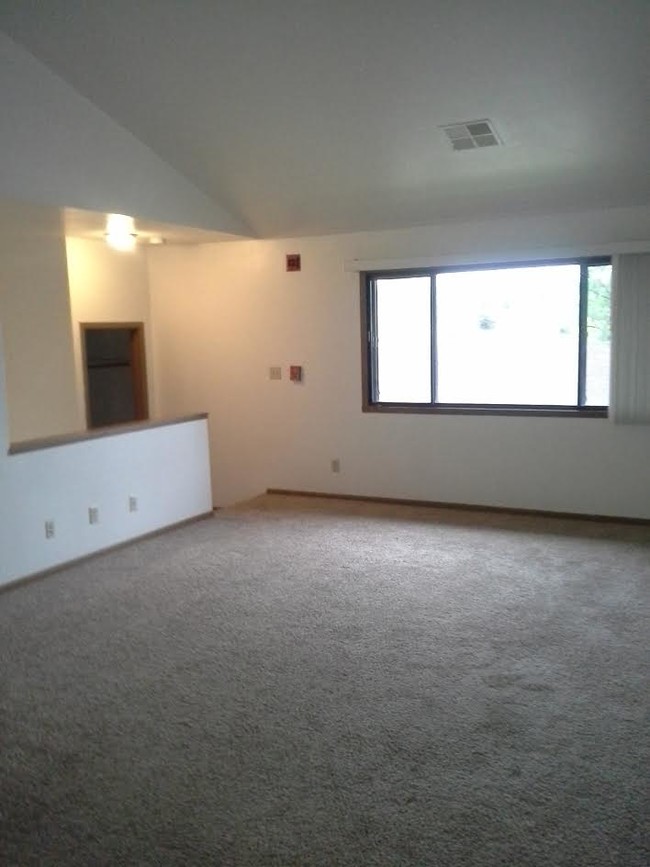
x=630 y=379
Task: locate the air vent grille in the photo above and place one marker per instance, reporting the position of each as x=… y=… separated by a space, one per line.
x=472 y=134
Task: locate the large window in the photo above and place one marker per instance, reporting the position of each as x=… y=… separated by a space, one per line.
x=518 y=338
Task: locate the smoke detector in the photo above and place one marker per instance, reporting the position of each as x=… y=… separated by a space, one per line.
x=472 y=134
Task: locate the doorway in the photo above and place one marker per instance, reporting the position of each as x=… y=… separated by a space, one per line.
x=114 y=373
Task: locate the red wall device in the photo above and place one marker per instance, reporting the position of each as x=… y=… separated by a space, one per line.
x=293 y=261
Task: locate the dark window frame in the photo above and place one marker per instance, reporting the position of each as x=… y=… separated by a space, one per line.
x=369 y=346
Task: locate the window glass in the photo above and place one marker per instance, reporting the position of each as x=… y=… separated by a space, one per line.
x=599 y=335
x=403 y=307
x=508 y=336
x=534 y=336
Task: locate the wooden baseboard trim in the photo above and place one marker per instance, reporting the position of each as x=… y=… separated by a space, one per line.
x=52 y=570
x=466 y=507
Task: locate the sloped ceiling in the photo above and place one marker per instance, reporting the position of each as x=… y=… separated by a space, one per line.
x=59 y=149
x=309 y=117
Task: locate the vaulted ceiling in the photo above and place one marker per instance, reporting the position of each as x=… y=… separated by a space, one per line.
x=317 y=116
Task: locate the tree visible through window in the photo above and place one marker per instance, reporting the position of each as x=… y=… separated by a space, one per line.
x=534 y=336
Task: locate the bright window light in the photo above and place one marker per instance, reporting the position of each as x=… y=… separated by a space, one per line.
x=508 y=336
x=530 y=336
x=403 y=317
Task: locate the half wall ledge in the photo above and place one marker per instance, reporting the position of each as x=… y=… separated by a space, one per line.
x=99 y=433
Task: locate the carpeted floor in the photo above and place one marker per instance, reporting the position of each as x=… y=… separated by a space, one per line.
x=310 y=682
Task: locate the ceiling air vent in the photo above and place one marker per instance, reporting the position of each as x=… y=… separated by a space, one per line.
x=472 y=134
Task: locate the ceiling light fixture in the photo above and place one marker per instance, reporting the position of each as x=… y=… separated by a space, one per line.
x=120 y=232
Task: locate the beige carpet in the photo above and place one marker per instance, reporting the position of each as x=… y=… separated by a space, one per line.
x=307 y=682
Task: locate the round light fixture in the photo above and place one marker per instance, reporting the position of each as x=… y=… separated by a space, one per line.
x=120 y=233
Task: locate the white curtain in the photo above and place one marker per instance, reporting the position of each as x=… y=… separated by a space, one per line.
x=630 y=380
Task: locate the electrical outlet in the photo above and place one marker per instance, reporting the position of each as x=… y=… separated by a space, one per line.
x=93 y=515
x=336 y=465
x=49 y=529
x=133 y=504
x=275 y=373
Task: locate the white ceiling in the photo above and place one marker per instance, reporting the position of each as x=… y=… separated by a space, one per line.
x=316 y=116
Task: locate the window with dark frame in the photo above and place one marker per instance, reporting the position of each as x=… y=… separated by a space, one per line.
x=516 y=338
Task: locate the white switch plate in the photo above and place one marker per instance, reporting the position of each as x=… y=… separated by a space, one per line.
x=93 y=515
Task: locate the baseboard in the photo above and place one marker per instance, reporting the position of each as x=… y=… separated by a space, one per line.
x=51 y=570
x=466 y=507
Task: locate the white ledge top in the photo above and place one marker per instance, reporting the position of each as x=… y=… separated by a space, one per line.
x=98 y=433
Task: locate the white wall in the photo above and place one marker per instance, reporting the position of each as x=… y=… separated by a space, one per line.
x=108 y=286
x=167 y=468
x=224 y=313
x=35 y=315
x=59 y=149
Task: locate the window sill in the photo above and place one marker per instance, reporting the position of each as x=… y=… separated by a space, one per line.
x=492 y=410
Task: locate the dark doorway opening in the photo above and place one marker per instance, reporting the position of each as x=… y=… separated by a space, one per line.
x=115 y=373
